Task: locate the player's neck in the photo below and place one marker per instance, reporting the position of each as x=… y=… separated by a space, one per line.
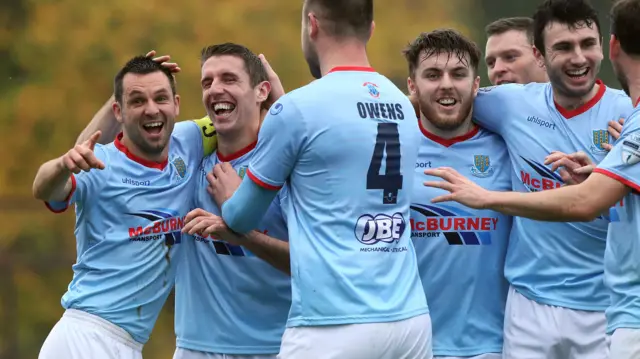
x=134 y=150
x=633 y=81
x=348 y=53
x=229 y=145
x=572 y=103
x=466 y=127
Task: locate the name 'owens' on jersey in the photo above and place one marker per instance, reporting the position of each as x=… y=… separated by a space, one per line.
x=246 y=298
x=129 y=218
x=554 y=263
x=463 y=245
x=346 y=145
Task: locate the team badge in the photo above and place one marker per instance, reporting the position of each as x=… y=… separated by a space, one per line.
x=481 y=166
x=242 y=171
x=599 y=138
x=631 y=149
x=373 y=89
x=181 y=168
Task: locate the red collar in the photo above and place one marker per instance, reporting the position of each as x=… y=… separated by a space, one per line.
x=151 y=164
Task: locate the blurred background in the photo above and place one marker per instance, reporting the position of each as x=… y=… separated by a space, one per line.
x=57 y=62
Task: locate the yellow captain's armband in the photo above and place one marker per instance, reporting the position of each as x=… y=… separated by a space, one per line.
x=209 y=135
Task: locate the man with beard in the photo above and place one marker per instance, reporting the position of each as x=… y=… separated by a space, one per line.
x=131 y=196
x=616 y=182
x=509 y=52
x=557 y=298
x=229 y=302
x=355 y=284
x=460 y=251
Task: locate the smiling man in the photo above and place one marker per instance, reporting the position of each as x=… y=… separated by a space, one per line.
x=557 y=298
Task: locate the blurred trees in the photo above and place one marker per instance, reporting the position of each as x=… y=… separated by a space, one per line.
x=57 y=62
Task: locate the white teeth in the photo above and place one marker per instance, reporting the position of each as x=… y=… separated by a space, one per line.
x=223 y=106
x=447 y=101
x=153 y=124
x=578 y=72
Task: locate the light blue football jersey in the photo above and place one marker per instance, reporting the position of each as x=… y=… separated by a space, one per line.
x=622 y=256
x=553 y=263
x=461 y=251
x=228 y=301
x=346 y=145
x=128 y=222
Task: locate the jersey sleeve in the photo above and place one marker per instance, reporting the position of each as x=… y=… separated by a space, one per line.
x=84 y=184
x=198 y=135
x=623 y=162
x=280 y=140
x=491 y=106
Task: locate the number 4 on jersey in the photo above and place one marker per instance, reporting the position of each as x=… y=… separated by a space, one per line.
x=387 y=141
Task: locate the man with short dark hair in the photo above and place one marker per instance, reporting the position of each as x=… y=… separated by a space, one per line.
x=233 y=292
x=460 y=251
x=509 y=52
x=128 y=220
x=355 y=284
x=556 y=270
x=612 y=188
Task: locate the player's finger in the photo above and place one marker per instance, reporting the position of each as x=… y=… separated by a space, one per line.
x=607 y=147
x=198 y=212
x=439 y=184
x=210 y=190
x=92 y=140
x=582 y=158
x=614 y=131
x=93 y=161
x=217 y=170
x=199 y=227
x=443 y=198
x=77 y=158
x=70 y=165
x=151 y=53
x=566 y=177
x=162 y=59
x=564 y=162
x=447 y=174
x=585 y=170
x=227 y=167
x=554 y=156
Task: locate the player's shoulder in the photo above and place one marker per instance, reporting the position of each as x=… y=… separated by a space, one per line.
x=618 y=98
x=514 y=89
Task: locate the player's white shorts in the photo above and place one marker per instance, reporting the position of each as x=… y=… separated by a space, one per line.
x=481 y=356
x=538 y=331
x=80 y=335
x=182 y=353
x=404 y=339
x=625 y=344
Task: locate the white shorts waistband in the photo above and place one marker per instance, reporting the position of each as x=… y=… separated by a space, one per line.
x=104 y=325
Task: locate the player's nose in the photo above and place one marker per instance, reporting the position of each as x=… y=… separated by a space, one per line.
x=151 y=109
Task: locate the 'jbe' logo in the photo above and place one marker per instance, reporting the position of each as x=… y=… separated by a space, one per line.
x=381 y=228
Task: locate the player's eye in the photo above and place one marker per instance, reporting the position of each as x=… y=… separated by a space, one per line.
x=432 y=76
x=510 y=58
x=162 y=98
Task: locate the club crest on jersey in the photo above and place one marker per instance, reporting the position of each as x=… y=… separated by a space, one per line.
x=373 y=89
x=180 y=166
x=631 y=149
x=481 y=166
x=242 y=171
x=599 y=138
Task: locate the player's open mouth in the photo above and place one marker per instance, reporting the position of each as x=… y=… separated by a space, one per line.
x=505 y=82
x=223 y=108
x=447 y=102
x=578 y=73
x=153 y=128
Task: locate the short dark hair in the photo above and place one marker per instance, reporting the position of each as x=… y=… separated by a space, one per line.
x=345 y=18
x=625 y=25
x=439 y=42
x=140 y=65
x=500 y=26
x=573 y=13
x=252 y=64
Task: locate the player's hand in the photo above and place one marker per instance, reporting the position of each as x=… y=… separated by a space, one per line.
x=615 y=129
x=461 y=189
x=81 y=156
x=223 y=182
x=163 y=60
x=277 y=90
x=204 y=223
x=573 y=168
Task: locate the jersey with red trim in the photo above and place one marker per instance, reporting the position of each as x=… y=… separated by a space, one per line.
x=553 y=263
x=461 y=251
x=346 y=146
x=228 y=301
x=622 y=257
x=128 y=222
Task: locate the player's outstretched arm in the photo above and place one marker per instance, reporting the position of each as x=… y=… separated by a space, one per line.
x=271 y=250
x=105 y=121
x=583 y=202
x=53 y=181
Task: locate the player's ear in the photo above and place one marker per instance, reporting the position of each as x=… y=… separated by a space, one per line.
x=313 y=25
x=262 y=91
x=176 y=101
x=476 y=86
x=411 y=86
x=538 y=55
x=117 y=111
x=614 y=47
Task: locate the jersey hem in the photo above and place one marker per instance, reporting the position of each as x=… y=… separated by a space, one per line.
x=558 y=303
x=615 y=175
x=197 y=346
x=344 y=320
x=65 y=201
x=470 y=352
x=257 y=179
